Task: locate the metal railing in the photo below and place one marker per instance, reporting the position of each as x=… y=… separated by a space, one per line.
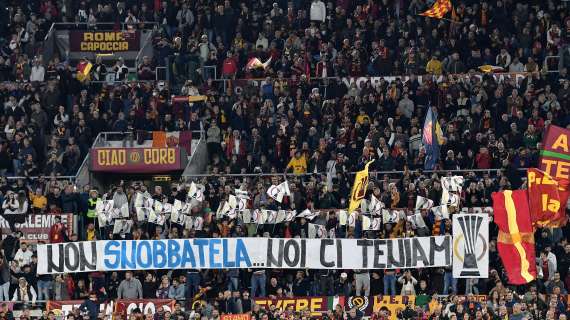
x=157 y=77
x=209 y=70
x=48 y=177
x=104 y=137
x=200 y=141
x=374 y=80
x=546 y=64
x=94 y=25
x=372 y=173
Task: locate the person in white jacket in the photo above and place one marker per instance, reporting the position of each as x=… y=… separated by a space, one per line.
x=38 y=72
x=408 y=283
x=11 y=204
x=318 y=11
x=24 y=255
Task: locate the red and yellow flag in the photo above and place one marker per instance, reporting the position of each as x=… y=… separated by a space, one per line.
x=547 y=198
x=83 y=69
x=438 y=10
x=359 y=188
x=555 y=161
x=516 y=238
x=189 y=98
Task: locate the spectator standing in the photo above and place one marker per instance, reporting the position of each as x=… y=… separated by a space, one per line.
x=58 y=231
x=120 y=70
x=24 y=255
x=24 y=293
x=318 y=11
x=38 y=71
x=5 y=279
x=258 y=283
x=130 y=287
x=362 y=280
x=176 y=290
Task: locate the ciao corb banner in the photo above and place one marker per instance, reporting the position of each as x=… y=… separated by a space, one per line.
x=103 y=41
x=36 y=227
x=137 y=160
x=224 y=253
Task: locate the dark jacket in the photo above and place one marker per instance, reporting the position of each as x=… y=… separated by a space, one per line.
x=92 y=307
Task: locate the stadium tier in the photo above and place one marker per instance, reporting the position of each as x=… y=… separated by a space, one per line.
x=286 y=160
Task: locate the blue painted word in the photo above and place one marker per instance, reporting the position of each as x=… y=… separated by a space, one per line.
x=175 y=254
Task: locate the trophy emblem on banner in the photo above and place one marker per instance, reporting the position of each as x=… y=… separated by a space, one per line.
x=470 y=229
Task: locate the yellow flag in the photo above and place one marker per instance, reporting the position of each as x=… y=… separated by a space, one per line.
x=83 y=71
x=359 y=188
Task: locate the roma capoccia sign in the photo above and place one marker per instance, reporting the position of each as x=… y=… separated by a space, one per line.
x=137 y=160
x=103 y=41
x=224 y=253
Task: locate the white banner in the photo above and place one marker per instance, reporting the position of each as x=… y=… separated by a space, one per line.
x=470 y=246
x=224 y=253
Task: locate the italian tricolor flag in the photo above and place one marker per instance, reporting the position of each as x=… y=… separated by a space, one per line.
x=334 y=301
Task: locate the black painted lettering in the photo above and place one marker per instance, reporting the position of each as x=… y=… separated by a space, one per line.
x=51 y=267
x=408 y=252
x=71 y=253
x=392 y=262
x=271 y=260
x=85 y=265
x=303 y=253
x=339 y=253
x=364 y=244
x=379 y=252
x=286 y=253
x=322 y=253
x=418 y=253
x=445 y=246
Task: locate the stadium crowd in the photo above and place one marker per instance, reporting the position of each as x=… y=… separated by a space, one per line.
x=293 y=120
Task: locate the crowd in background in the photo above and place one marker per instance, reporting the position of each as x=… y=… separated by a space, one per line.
x=290 y=121
x=212 y=292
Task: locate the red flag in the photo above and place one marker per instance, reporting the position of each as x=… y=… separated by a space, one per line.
x=516 y=238
x=555 y=161
x=547 y=199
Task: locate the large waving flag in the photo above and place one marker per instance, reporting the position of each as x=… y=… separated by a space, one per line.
x=438 y=10
x=432 y=138
x=359 y=188
x=516 y=238
x=554 y=161
x=547 y=198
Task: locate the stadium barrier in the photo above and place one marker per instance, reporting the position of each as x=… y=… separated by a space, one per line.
x=316 y=305
x=374 y=174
